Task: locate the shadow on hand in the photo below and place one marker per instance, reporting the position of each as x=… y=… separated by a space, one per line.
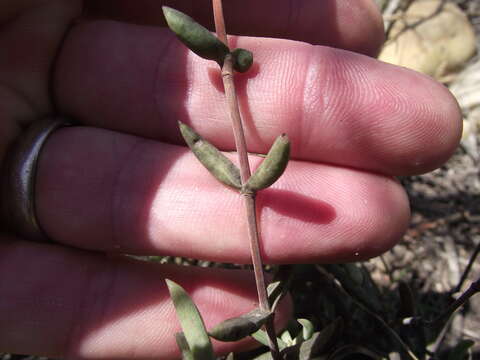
x=295 y=205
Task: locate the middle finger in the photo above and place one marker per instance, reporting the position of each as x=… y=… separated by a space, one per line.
x=102 y=190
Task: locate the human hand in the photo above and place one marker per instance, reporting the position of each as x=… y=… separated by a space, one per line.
x=353 y=122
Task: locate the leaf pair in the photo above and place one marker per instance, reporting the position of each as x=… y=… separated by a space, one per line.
x=226 y=172
x=194 y=341
x=202 y=42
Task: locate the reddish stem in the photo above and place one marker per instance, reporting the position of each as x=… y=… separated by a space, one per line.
x=249 y=199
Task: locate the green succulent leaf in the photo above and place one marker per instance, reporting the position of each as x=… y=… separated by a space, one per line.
x=243 y=60
x=262 y=337
x=276 y=291
x=216 y=163
x=192 y=323
x=307 y=329
x=183 y=346
x=240 y=327
x=196 y=37
x=272 y=167
x=318 y=343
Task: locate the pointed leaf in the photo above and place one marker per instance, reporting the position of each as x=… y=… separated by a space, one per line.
x=216 y=163
x=272 y=167
x=230 y=356
x=191 y=322
x=197 y=38
x=286 y=337
x=276 y=291
x=273 y=289
x=262 y=337
x=239 y=327
x=243 y=60
x=307 y=329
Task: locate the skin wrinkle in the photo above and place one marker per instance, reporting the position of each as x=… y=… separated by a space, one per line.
x=162 y=57
x=98 y=310
x=80 y=319
x=304 y=130
x=118 y=193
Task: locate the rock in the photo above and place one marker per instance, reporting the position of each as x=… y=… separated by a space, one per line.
x=432 y=36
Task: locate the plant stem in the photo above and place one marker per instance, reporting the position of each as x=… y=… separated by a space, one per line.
x=249 y=199
x=473 y=289
x=471 y=261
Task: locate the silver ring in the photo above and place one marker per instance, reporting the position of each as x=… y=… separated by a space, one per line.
x=18 y=199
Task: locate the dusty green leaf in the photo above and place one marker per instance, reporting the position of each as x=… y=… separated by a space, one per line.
x=272 y=167
x=262 y=337
x=243 y=60
x=286 y=337
x=307 y=329
x=239 y=327
x=196 y=37
x=183 y=346
x=318 y=343
x=275 y=291
x=214 y=161
x=192 y=323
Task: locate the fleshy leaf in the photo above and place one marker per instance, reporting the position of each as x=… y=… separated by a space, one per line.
x=286 y=337
x=191 y=322
x=216 y=163
x=183 y=346
x=272 y=167
x=196 y=37
x=243 y=60
x=262 y=337
x=275 y=291
x=239 y=327
x=307 y=329
x=318 y=343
